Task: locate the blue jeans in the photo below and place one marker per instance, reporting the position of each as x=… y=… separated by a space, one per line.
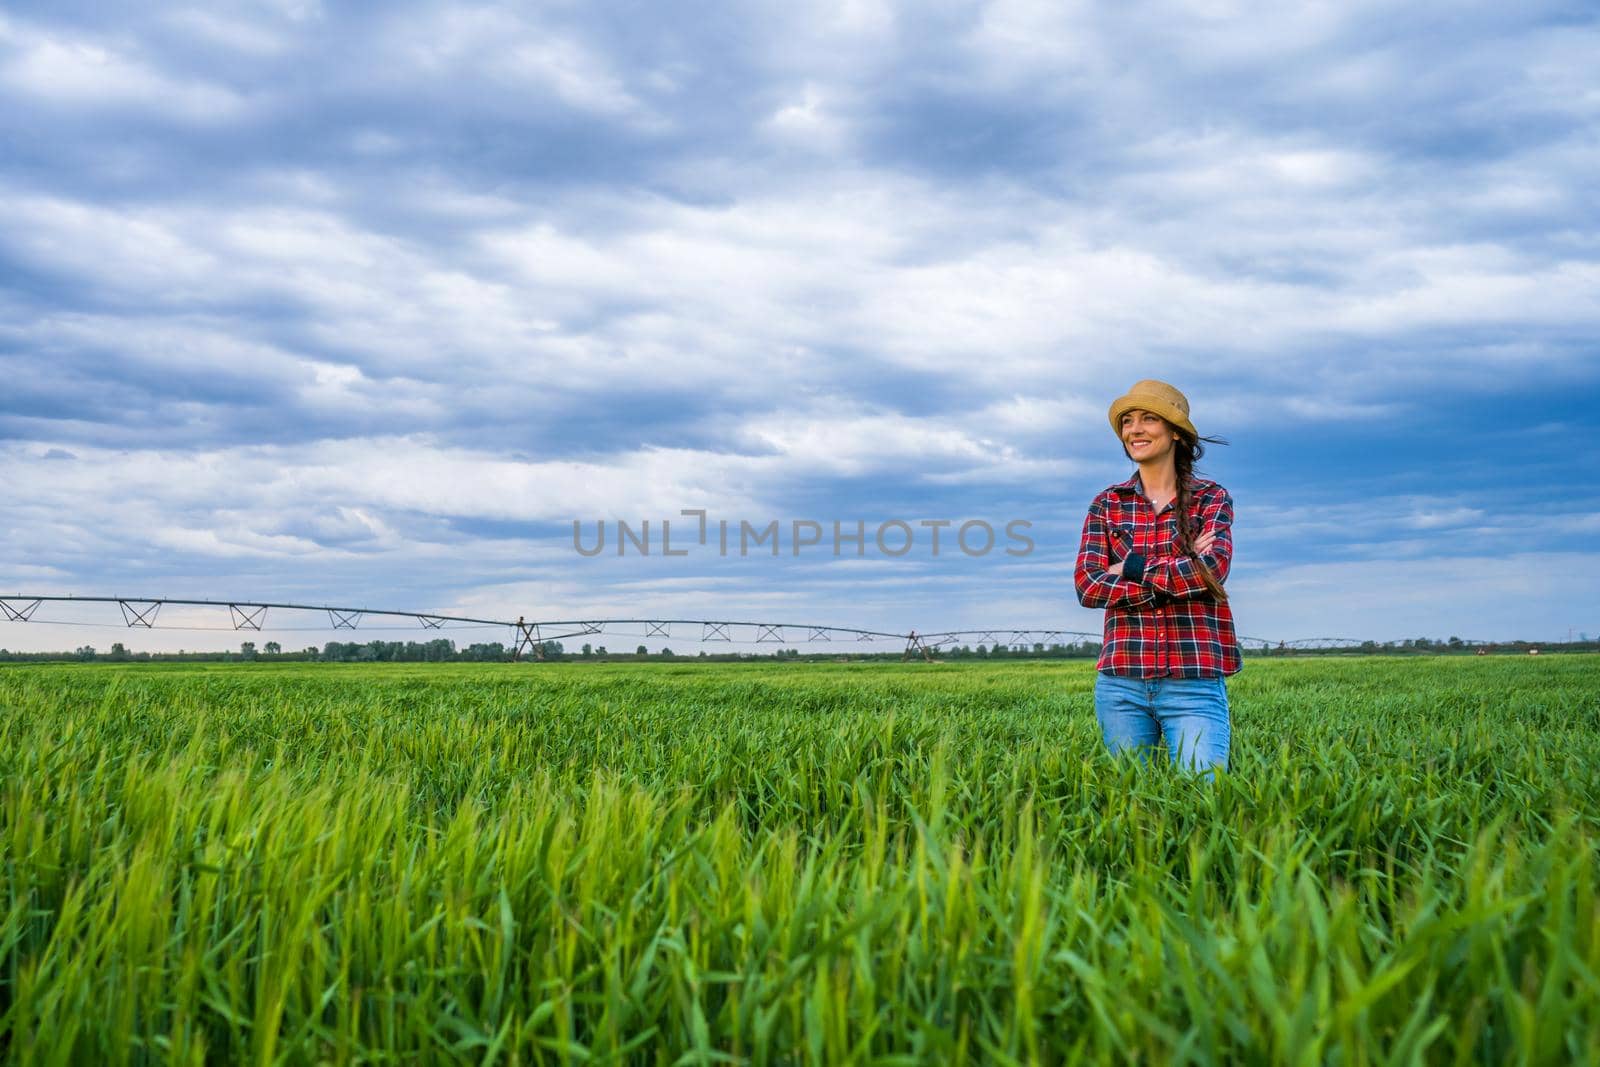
x=1192 y=713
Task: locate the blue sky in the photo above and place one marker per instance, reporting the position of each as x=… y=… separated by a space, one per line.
x=366 y=303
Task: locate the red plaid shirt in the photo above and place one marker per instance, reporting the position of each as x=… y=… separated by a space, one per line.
x=1161 y=620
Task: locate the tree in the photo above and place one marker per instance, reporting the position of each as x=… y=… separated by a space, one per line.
x=588 y=650
x=117 y=651
x=248 y=650
x=85 y=652
x=641 y=651
x=273 y=648
x=666 y=653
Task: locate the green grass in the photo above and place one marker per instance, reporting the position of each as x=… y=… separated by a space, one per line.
x=794 y=863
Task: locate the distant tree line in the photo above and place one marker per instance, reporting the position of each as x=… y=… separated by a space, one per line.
x=440 y=650
x=443 y=650
x=1037 y=650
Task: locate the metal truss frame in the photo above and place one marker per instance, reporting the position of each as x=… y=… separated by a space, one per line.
x=247 y=617
x=531 y=637
x=19 y=614
x=140 y=612
x=344 y=618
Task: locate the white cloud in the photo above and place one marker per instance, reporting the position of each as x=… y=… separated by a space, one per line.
x=808 y=122
x=513 y=53
x=121 y=252
x=391 y=474
x=1490 y=598
x=1435 y=520
x=233 y=31
x=230 y=542
x=87 y=73
x=1318 y=407
x=862 y=444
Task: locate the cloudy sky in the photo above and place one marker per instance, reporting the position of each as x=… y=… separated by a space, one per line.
x=367 y=303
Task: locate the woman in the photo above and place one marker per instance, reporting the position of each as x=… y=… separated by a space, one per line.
x=1155 y=552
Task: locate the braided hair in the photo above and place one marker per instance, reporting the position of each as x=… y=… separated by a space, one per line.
x=1185 y=451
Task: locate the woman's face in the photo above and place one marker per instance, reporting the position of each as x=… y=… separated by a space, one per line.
x=1147 y=437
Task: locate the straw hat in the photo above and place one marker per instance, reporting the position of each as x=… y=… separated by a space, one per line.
x=1154 y=396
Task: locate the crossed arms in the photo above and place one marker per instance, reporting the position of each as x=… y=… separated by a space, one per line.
x=1148 y=579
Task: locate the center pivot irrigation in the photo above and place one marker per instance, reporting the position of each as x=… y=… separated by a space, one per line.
x=530 y=637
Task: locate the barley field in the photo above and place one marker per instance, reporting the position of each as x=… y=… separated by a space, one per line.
x=794 y=863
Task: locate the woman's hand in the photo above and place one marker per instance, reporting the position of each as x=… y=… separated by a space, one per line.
x=1118 y=532
x=1203 y=543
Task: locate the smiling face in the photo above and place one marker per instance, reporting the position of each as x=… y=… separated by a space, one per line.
x=1146 y=436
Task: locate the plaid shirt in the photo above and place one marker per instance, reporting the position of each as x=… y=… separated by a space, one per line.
x=1161 y=620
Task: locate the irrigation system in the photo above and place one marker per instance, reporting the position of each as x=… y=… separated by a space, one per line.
x=529 y=637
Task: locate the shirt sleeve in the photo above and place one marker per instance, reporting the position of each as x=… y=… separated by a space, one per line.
x=1096 y=588
x=1177 y=577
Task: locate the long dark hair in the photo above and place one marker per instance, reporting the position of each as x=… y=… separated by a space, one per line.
x=1185 y=451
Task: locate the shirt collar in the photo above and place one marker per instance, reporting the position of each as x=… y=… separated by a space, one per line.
x=1134 y=486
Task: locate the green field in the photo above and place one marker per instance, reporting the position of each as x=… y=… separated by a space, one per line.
x=794 y=863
